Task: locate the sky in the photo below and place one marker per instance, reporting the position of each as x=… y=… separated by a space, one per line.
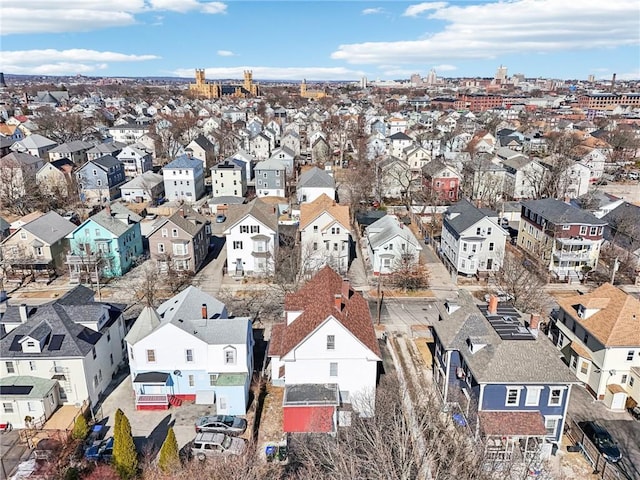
x=321 y=40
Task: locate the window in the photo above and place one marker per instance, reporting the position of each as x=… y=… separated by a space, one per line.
x=555 y=396
x=111 y=358
x=566 y=227
x=255 y=228
x=229 y=356
x=629 y=355
x=491 y=246
x=331 y=342
x=584 y=367
x=533 y=396
x=161 y=248
x=631 y=380
x=464 y=246
x=10 y=367
x=32 y=365
x=188 y=355
x=593 y=231
x=513 y=396
x=488 y=230
x=624 y=378
x=7 y=407
x=31 y=407
x=333 y=369
x=237 y=245
x=583 y=229
x=151 y=356
x=95 y=381
x=95 y=173
x=550 y=425
x=315 y=229
x=335 y=231
x=478 y=231
x=99 y=183
x=31 y=344
x=100 y=375
x=192 y=380
x=244 y=228
x=165 y=232
x=574 y=362
x=315 y=245
x=335 y=247
x=174 y=232
x=213 y=378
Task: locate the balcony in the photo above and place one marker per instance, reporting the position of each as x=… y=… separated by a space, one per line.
x=581 y=255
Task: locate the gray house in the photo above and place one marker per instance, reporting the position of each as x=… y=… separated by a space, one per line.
x=100 y=180
x=271 y=178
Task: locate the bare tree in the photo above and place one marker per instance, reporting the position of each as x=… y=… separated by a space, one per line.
x=63 y=128
x=522 y=280
x=409 y=274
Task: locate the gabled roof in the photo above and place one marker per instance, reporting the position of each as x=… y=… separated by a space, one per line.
x=388 y=227
x=258 y=209
x=17 y=159
x=184 y=218
x=116 y=219
x=434 y=167
x=147 y=179
x=316 y=300
x=105 y=162
x=616 y=324
x=400 y=137
x=71 y=147
x=467 y=216
x=183 y=161
x=147 y=322
x=271 y=164
x=559 y=212
x=315 y=178
x=312 y=210
x=188 y=305
x=36 y=141
x=50 y=227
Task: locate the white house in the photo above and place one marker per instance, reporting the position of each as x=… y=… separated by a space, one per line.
x=314 y=183
x=184 y=179
x=135 y=160
x=325 y=354
x=147 y=187
x=35 y=145
x=398 y=142
x=251 y=238
x=26 y=397
x=389 y=244
x=189 y=349
x=286 y=156
x=471 y=240
x=74 y=340
x=598 y=335
x=228 y=179
x=325 y=235
x=522 y=178
x=260 y=146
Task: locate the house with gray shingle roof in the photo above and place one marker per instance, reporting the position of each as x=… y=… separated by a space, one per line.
x=35 y=144
x=390 y=243
x=213 y=364
x=502 y=376
x=148 y=187
x=184 y=179
x=181 y=241
x=17 y=172
x=75 y=151
x=251 y=238
x=472 y=239
x=107 y=244
x=99 y=180
x=271 y=178
x=73 y=340
x=314 y=182
x=37 y=248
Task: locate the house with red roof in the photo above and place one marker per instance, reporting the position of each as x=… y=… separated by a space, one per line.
x=325 y=355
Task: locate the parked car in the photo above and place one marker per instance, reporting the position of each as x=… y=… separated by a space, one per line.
x=103 y=451
x=602 y=439
x=72 y=217
x=208 y=444
x=228 y=424
x=220 y=218
x=635 y=412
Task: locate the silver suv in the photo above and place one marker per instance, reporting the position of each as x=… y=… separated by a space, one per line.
x=208 y=444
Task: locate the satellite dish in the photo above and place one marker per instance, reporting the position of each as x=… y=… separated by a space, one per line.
x=177 y=373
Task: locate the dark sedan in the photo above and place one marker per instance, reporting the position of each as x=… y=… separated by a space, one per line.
x=227 y=424
x=601 y=438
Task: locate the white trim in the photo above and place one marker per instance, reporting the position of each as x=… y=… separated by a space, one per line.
x=506 y=398
x=534 y=390
x=551 y=389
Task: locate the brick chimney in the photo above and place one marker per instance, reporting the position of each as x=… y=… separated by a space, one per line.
x=337 y=298
x=534 y=322
x=204 y=311
x=345 y=288
x=181 y=211
x=492 y=309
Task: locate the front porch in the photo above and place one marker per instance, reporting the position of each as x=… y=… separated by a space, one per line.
x=153 y=391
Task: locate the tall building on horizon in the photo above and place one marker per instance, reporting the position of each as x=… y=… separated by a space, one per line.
x=203 y=88
x=501 y=74
x=432 y=78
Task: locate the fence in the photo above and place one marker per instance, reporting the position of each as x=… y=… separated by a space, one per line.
x=601 y=467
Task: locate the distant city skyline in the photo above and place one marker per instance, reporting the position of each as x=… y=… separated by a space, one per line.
x=321 y=40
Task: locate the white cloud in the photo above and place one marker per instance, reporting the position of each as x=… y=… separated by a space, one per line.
x=226 y=53
x=444 y=68
x=415 y=10
x=486 y=30
x=627 y=75
x=277 y=73
x=372 y=11
x=398 y=72
x=49 y=16
x=64 y=62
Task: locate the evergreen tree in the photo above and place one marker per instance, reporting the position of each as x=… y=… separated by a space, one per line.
x=80 y=428
x=169 y=459
x=125 y=456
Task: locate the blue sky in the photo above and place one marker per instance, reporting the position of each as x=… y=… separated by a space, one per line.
x=321 y=40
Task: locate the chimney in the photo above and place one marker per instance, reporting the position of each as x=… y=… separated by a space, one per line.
x=492 y=309
x=613 y=83
x=24 y=313
x=534 y=324
x=204 y=311
x=181 y=211
x=345 y=288
x=338 y=301
x=108 y=209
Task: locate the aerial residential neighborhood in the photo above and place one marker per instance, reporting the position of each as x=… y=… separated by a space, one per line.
x=320 y=279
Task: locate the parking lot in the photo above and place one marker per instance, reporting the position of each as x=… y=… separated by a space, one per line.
x=624 y=429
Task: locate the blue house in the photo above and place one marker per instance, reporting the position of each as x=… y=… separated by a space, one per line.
x=500 y=378
x=106 y=244
x=189 y=349
x=99 y=180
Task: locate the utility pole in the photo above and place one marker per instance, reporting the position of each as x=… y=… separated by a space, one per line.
x=616 y=265
x=379 y=296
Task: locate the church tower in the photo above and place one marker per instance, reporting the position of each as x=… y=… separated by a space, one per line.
x=303 y=88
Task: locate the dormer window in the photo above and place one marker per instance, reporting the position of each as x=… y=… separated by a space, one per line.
x=229 y=356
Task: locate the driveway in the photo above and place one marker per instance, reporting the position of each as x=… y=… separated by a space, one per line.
x=622 y=427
